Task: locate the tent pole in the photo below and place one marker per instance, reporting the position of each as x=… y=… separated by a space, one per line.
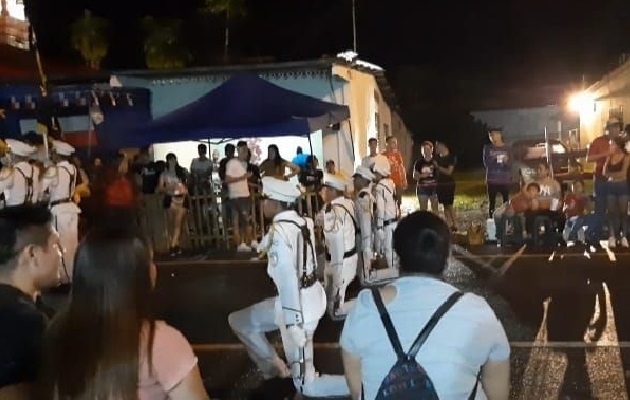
x=310 y=144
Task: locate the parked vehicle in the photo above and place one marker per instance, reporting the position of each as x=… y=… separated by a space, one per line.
x=566 y=164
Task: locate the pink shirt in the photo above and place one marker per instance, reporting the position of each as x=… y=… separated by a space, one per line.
x=173 y=359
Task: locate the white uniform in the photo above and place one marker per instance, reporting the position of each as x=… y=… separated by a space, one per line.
x=20 y=184
x=61 y=180
x=340 y=234
x=364 y=208
x=301 y=302
x=386 y=216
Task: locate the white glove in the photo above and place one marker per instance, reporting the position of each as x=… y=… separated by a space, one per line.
x=297 y=335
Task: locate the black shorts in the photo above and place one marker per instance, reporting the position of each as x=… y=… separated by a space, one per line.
x=168 y=200
x=446 y=193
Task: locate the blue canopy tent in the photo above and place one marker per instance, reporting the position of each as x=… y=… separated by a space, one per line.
x=244 y=106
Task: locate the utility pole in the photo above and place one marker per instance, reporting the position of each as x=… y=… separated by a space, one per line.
x=354 y=26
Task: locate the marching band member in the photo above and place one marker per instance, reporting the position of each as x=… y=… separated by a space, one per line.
x=300 y=303
x=364 y=206
x=19 y=181
x=340 y=234
x=386 y=218
x=61 y=181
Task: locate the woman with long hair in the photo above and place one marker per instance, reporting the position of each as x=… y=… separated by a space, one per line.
x=616 y=172
x=107 y=344
x=176 y=201
x=276 y=167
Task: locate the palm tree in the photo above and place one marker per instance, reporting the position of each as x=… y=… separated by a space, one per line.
x=89 y=37
x=162 y=44
x=231 y=9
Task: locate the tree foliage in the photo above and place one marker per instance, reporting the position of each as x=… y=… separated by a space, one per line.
x=90 y=38
x=231 y=9
x=163 y=47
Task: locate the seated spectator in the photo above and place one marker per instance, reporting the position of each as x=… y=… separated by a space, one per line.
x=578 y=227
x=575 y=201
x=468 y=345
x=30 y=261
x=524 y=201
x=549 y=202
x=106 y=344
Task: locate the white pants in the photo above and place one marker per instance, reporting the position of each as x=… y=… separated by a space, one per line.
x=250 y=325
x=337 y=280
x=386 y=248
x=66 y=223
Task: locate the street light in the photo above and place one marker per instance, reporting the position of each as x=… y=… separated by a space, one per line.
x=582 y=103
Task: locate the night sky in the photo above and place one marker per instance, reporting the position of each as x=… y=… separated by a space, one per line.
x=495 y=43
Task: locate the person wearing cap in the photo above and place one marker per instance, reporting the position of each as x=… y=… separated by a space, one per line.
x=61 y=180
x=364 y=206
x=19 y=180
x=340 y=234
x=386 y=217
x=598 y=151
x=300 y=303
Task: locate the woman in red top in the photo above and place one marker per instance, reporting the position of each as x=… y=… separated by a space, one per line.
x=120 y=194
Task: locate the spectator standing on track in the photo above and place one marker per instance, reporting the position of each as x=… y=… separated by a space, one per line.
x=397 y=165
x=445 y=165
x=497 y=158
x=616 y=172
x=368 y=160
x=425 y=174
x=598 y=152
x=176 y=201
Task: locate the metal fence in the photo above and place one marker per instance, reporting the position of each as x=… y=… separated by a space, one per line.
x=207 y=224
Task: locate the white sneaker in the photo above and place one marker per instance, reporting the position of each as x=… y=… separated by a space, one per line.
x=243 y=248
x=254 y=245
x=624 y=242
x=612 y=242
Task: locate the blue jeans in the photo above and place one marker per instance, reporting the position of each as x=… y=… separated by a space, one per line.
x=596 y=231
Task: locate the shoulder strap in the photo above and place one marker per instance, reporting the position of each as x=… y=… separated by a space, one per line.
x=28 y=194
x=308 y=241
x=72 y=179
x=387 y=323
x=354 y=221
x=435 y=318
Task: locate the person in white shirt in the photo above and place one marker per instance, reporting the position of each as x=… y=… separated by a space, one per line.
x=369 y=160
x=239 y=203
x=467 y=348
x=19 y=178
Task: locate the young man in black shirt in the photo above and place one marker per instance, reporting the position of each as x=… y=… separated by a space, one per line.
x=30 y=261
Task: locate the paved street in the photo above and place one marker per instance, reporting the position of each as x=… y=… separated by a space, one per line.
x=565 y=314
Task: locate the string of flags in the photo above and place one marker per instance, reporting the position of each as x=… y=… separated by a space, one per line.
x=75 y=99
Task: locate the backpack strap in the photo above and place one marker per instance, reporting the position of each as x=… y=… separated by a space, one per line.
x=387 y=323
x=435 y=318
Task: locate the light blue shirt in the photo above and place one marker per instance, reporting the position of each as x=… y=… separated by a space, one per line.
x=467 y=336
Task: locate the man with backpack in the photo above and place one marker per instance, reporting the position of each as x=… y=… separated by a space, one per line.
x=421 y=338
x=300 y=303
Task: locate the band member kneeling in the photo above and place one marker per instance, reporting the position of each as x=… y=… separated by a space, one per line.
x=300 y=303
